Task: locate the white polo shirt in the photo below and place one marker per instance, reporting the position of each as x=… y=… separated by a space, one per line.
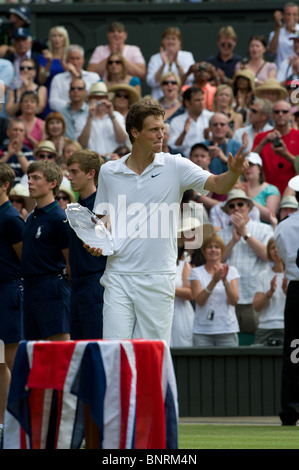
x=287 y=242
x=194 y=135
x=102 y=135
x=285 y=46
x=144 y=211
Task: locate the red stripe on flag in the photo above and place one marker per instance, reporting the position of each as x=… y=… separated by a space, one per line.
x=150 y=412
x=36 y=401
x=125 y=387
x=50 y=365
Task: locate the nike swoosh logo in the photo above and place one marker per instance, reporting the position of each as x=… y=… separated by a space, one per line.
x=154 y=176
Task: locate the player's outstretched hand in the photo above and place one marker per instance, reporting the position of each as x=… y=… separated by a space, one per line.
x=238 y=164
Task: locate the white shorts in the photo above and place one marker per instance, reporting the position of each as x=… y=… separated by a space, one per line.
x=138 y=306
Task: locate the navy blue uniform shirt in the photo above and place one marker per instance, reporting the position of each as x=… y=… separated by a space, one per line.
x=228 y=67
x=81 y=262
x=11 y=230
x=45 y=235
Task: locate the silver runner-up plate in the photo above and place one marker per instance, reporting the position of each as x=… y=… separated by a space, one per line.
x=89 y=228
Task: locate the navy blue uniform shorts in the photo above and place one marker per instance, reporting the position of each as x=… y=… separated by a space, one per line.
x=46 y=306
x=87 y=307
x=11 y=311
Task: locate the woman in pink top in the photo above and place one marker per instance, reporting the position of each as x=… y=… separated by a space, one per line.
x=257 y=64
x=117 y=35
x=34 y=126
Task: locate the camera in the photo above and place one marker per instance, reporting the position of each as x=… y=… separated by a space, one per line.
x=99 y=104
x=244 y=61
x=202 y=67
x=210 y=315
x=276 y=142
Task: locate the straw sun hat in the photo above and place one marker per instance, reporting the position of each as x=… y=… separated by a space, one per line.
x=236 y=194
x=271 y=84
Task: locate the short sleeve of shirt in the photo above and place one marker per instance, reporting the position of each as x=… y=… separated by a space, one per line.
x=14 y=229
x=62 y=233
x=262 y=282
x=195 y=275
x=191 y=175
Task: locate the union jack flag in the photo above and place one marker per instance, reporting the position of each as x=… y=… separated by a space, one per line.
x=129 y=387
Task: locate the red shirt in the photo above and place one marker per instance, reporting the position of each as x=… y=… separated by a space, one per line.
x=277 y=170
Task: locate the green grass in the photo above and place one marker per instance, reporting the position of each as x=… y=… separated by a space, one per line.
x=196 y=436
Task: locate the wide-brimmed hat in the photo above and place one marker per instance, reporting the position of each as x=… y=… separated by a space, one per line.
x=245 y=73
x=68 y=191
x=254 y=158
x=46 y=146
x=294 y=183
x=132 y=92
x=99 y=89
x=271 y=84
x=236 y=194
x=288 y=201
x=20 y=191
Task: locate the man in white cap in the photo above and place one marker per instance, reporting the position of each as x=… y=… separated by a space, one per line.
x=246 y=242
x=288 y=205
x=105 y=128
x=60 y=85
x=287 y=242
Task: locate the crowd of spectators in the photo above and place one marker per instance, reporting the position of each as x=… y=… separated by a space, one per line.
x=55 y=106
x=221 y=102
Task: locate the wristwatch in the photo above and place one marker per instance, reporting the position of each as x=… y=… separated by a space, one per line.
x=248 y=235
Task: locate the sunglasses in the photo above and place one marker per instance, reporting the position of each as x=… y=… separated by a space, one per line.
x=227 y=44
x=233 y=205
x=17 y=199
x=169 y=82
x=119 y=94
x=110 y=62
x=26 y=67
x=278 y=111
x=80 y=88
x=254 y=111
x=49 y=156
x=64 y=198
